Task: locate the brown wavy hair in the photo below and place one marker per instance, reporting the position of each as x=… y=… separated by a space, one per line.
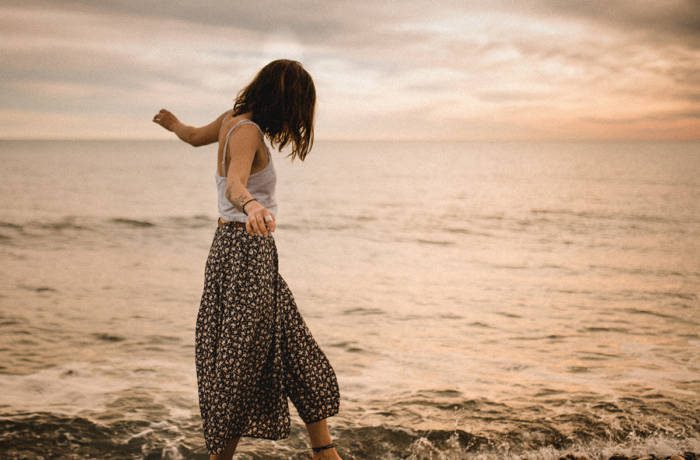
x=282 y=99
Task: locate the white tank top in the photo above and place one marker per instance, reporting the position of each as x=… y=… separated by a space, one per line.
x=261 y=184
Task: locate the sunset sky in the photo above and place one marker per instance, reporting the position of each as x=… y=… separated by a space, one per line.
x=455 y=70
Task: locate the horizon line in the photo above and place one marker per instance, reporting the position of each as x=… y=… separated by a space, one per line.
x=484 y=140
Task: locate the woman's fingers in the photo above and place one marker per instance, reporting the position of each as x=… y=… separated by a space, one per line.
x=250 y=221
x=252 y=226
x=268 y=221
x=165 y=118
x=262 y=229
x=256 y=224
x=249 y=227
x=271 y=224
x=253 y=223
x=159 y=115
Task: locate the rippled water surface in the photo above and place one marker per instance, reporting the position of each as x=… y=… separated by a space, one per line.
x=493 y=300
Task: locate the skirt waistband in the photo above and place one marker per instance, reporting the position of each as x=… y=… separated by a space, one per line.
x=233 y=223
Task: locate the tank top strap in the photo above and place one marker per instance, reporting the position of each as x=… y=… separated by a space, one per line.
x=244 y=121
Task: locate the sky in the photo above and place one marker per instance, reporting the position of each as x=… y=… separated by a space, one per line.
x=390 y=70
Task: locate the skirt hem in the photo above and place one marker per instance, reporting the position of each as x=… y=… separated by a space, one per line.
x=330 y=414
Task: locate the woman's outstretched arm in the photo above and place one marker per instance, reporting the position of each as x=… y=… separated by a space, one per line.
x=194 y=136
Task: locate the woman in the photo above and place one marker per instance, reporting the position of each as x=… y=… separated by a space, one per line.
x=252 y=347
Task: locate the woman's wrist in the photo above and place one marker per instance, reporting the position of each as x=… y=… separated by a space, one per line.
x=244 y=204
x=239 y=199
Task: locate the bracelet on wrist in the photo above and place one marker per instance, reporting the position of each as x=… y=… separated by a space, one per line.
x=243 y=205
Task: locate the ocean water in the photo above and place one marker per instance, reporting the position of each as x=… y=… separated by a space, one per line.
x=477 y=300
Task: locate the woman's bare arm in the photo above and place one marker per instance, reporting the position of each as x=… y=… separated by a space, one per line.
x=242 y=153
x=196 y=137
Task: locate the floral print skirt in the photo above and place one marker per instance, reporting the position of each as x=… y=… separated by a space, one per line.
x=253 y=349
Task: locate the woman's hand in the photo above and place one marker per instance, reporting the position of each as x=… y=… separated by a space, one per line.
x=204 y=135
x=256 y=219
x=166 y=119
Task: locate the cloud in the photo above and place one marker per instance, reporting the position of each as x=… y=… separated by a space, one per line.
x=657 y=116
x=648 y=21
x=453 y=69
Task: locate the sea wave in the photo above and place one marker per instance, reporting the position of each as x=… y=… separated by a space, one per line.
x=58 y=435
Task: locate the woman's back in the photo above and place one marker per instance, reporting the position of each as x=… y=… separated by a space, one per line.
x=261 y=183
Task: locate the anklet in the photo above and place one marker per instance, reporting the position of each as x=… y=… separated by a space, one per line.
x=319 y=449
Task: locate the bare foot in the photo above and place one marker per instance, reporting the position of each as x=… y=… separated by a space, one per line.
x=326 y=454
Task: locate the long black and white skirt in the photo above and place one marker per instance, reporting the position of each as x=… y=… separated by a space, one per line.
x=253 y=349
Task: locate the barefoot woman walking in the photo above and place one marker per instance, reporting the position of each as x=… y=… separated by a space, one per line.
x=253 y=349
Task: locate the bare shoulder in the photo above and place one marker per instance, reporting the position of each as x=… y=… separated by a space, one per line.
x=230 y=121
x=244 y=138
